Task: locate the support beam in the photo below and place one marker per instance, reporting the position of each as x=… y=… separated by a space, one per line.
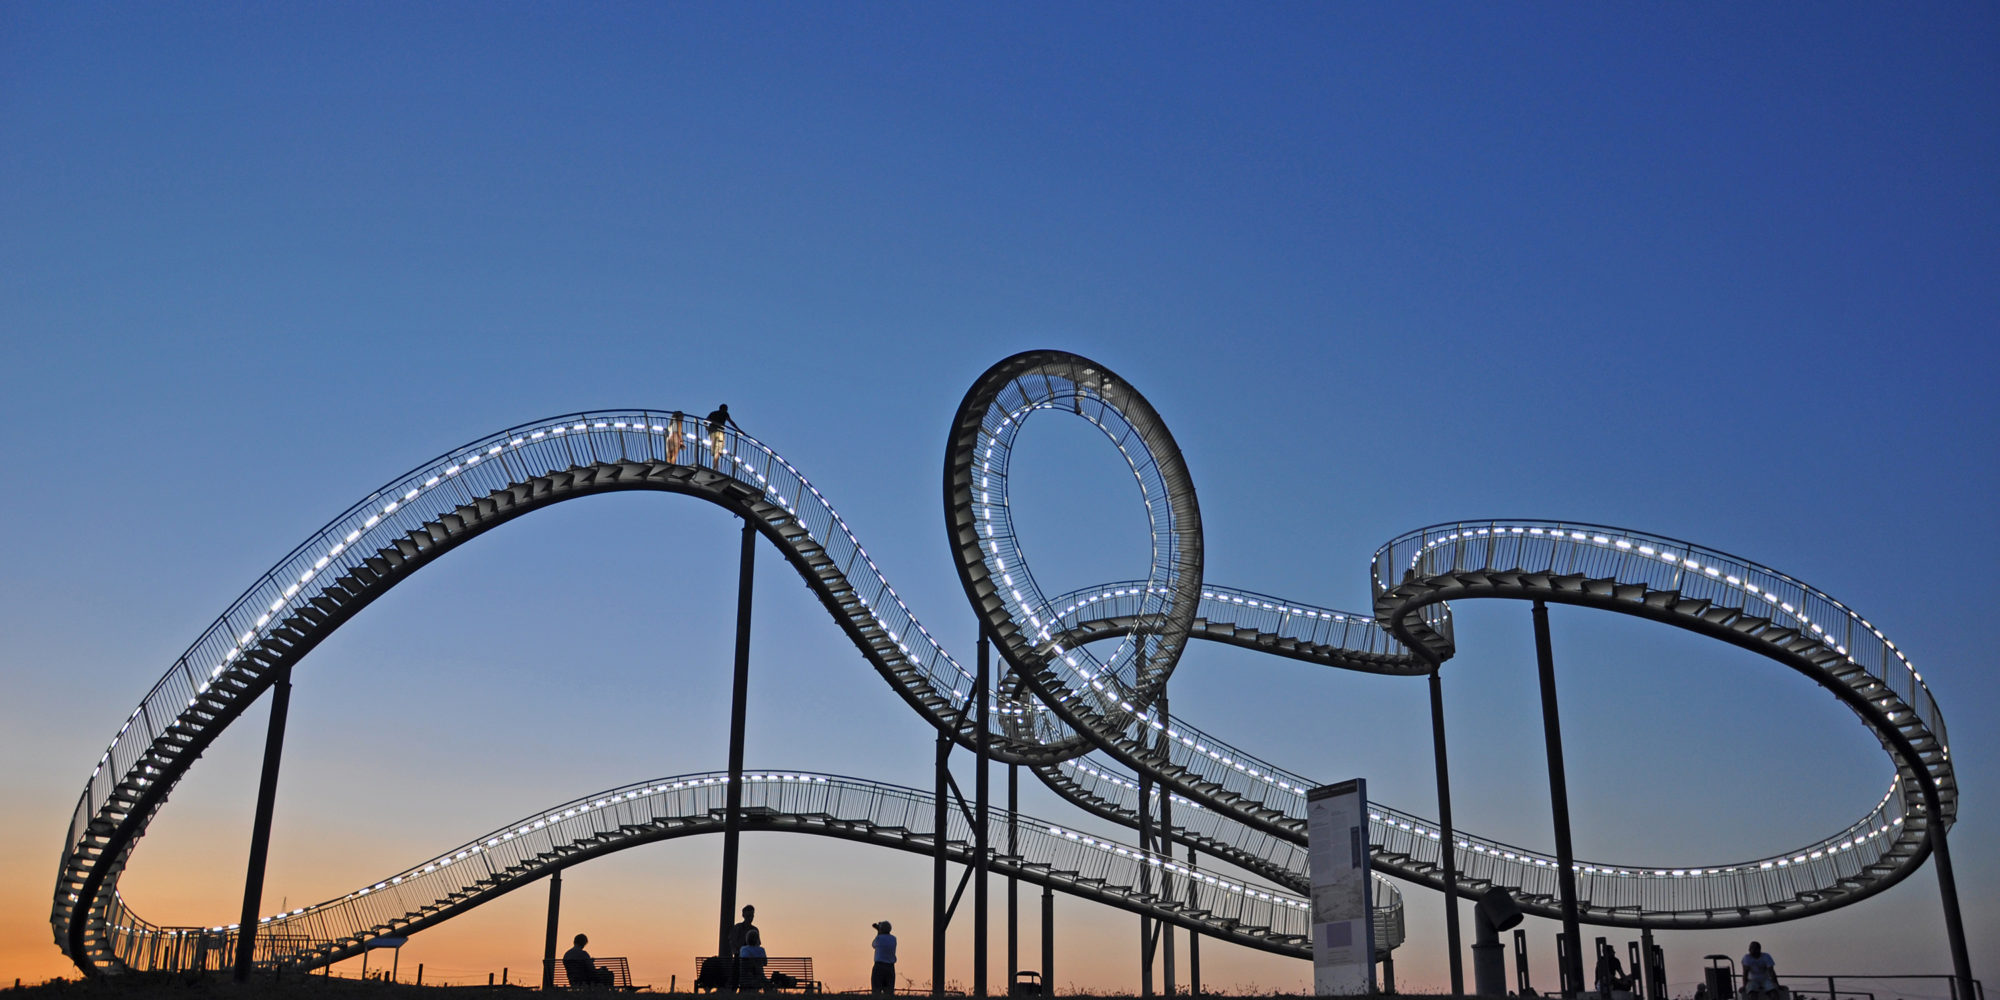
x=1048 y=941
x=981 y=854
x=1013 y=883
x=1165 y=847
x=549 y=941
x=1447 y=852
x=1194 y=936
x=1654 y=988
x=1954 y=924
x=260 y=826
x=732 y=829
x=940 y=836
x=1559 y=803
x=1146 y=938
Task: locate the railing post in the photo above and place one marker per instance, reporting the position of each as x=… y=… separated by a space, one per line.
x=549 y=941
x=260 y=828
x=1559 y=803
x=1447 y=849
x=732 y=829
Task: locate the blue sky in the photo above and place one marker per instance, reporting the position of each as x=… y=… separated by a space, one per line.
x=1716 y=272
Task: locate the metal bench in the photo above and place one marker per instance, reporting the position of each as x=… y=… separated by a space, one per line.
x=778 y=974
x=620 y=969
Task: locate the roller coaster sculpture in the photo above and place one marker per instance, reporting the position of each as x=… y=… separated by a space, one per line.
x=1088 y=723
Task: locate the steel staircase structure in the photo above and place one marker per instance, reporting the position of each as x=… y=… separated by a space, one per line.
x=1086 y=723
x=529 y=849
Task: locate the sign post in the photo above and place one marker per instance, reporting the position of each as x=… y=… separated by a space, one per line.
x=1343 y=924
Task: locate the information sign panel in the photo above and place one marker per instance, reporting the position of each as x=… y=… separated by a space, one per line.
x=1343 y=926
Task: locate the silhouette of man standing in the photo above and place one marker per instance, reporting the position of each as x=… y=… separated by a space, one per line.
x=716 y=422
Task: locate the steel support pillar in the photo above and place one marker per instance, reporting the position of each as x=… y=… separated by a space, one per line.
x=1145 y=885
x=1013 y=884
x=1447 y=849
x=980 y=846
x=1194 y=936
x=732 y=829
x=1954 y=924
x=549 y=941
x=1164 y=836
x=1048 y=941
x=941 y=828
x=1654 y=989
x=1545 y=661
x=260 y=826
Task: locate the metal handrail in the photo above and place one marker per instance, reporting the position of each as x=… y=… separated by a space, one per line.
x=629 y=815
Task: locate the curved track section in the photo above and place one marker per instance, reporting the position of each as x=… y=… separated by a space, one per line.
x=520 y=853
x=1731 y=599
x=1241 y=808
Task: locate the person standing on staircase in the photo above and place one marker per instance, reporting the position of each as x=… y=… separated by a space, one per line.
x=676 y=437
x=716 y=422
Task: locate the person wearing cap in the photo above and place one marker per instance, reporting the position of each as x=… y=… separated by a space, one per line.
x=883 y=978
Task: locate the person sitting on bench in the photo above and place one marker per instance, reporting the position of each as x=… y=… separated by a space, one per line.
x=581 y=969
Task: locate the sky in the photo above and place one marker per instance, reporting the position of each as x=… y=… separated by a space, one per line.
x=1723 y=273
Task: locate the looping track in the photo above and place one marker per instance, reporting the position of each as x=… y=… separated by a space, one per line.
x=1091 y=721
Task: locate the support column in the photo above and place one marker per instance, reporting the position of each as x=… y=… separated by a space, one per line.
x=1048 y=941
x=1145 y=885
x=940 y=836
x=1165 y=837
x=732 y=829
x=980 y=846
x=1654 y=989
x=1941 y=857
x=260 y=827
x=1447 y=844
x=1954 y=925
x=1194 y=936
x=1013 y=883
x=549 y=942
x=1559 y=803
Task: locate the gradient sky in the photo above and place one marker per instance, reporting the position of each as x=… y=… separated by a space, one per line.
x=1721 y=273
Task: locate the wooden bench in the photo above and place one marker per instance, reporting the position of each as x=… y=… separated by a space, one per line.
x=779 y=974
x=620 y=969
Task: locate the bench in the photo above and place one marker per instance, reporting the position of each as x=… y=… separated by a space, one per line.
x=620 y=969
x=779 y=974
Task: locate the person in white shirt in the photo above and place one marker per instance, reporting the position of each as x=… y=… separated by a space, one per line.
x=883 y=978
x=1760 y=973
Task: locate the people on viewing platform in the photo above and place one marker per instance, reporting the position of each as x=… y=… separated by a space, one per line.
x=1760 y=973
x=883 y=977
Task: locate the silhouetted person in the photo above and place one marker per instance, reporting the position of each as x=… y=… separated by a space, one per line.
x=1760 y=973
x=882 y=979
x=582 y=970
x=676 y=437
x=716 y=422
x=1610 y=973
x=741 y=936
